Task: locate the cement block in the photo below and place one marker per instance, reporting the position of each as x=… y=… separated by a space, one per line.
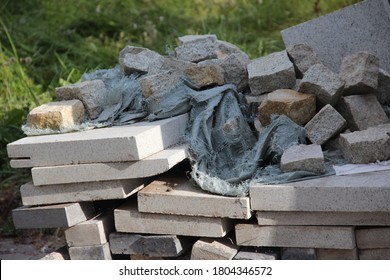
x=111 y=144
x=328 y=194
x=337 y=254
x=197 y=50
x=317 y=218
x=205 y=76
x=383 y=93
x=56 y=115
x=303 y=157
x=93 y=253
x=269 y=73
x=373 y=238
x=374 y=254
x=300 y=107
x=326 y=124
x=52 y=216
x=149 y=245
x=150 y=166
x=129 y=219
x=211 y=249
x=248 y=255
x=303 y=57
x=177 y=196
x=298 y=254
x=135 y=60
x=366 y=146
x=359 y=27
x=295 y=236
x=90 y=233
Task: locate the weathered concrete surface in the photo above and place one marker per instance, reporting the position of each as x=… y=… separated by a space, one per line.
x=97 y=252
x=373 y=238
x=211 y=249
x=337 y=254
x=303 y=157
x=303 y=57
x=130 y=142
x=345 y=32
x=249 y=255
x=329 y=194
x=178 y=196
x=374 y=254
x=298 y=254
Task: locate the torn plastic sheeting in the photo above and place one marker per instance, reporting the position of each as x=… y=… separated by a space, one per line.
x=348 y=169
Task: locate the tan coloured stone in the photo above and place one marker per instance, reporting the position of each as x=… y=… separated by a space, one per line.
x=159 y=83
x=303 y=157
x=204 y=76
x=211 y=249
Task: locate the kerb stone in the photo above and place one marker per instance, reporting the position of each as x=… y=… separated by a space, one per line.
x=303 y=157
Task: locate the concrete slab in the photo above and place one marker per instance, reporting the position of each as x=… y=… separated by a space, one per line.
x=178 y=196
x=369 y=192
x=374 y=254
x=52 y=216
x=110 y=144
x=373 y=238
x=298 y=254
x=80 y=173
x=129 y=219
x=360 y=27
x=211 y=249
x=295 y=236
x=97 y=252
x=337 y=254
x=249 y=255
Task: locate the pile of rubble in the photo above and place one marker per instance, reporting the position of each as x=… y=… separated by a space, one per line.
x=124 y=189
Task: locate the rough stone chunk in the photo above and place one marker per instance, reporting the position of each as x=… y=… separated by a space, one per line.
x=211 y=249
x=269 y=73
x=362 y=111
x=368 y=145
x=383 y=93
x=303 y=157
x=97 y=252
x=373 y=238
x=300 y=107
x=191 y=38
x=135 y=59
x=197 y=50
x=159 y=83
x=324 y=125
x=175 y=65
x=93 y=94
x=225 y=49
x=360 y=73
x=205 y=76
x=325 y=84
x=56 y=115
x=303 y=57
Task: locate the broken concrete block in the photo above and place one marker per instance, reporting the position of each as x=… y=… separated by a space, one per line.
x=191 y=38
x=366 y=146
x=298 y=254
x=205 y=76
x=269 y=73
x=178 y=196
x=90 y=233
x=211 y=249
x=303 y=57
x=360 y=73
x=300 y=107
x=159 y=83
x=337 y=254
x=373 y=238
x=326 y=124
x=56 y=115
x=249 y=255
x=374 y=254
x=97 y=252
x=197 y=50
x=328 y=194
x=362 y=111
x=135 y=59
x=111 y=171
x=303 y=157
x=326 y=85
x=114 y=144
x=93 y=94
x=52 y=216
x=383 y=92
x=295 y=236
x=129 y=219
x=149 y=245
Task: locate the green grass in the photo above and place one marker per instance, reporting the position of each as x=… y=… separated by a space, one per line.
x=45 y=44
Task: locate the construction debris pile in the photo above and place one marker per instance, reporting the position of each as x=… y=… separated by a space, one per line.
x=206 y=154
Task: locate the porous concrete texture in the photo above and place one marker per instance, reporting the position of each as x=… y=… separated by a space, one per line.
x=327 y=194
x=362 y=111
x=317 y=218
x=205 y=76
x=197 y=50
x=374 y=254
x=110 y=144
x=366 y=146
x=159 y=83
x=295 y=236
x=298 y=254
x=93 y=94
x=383 y=92
x=129 y=219
x=178 y=196
x=149 y=245
x=345 y=32
x=52 y=216
x=93 y=253
x=271 y=72
x=321 y=81
x=337 y=254
x=303 y=57
x=303 y=157
x=326 y=124
x=300 y=107
x=360 y=73
x=135 y=60
x=211 y=249
x=373 y=238
x=110 y=171
x=56 y=115
x=191 y=38
x=92 y=232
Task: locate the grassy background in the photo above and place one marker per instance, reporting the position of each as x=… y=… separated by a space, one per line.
x=45 y=44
